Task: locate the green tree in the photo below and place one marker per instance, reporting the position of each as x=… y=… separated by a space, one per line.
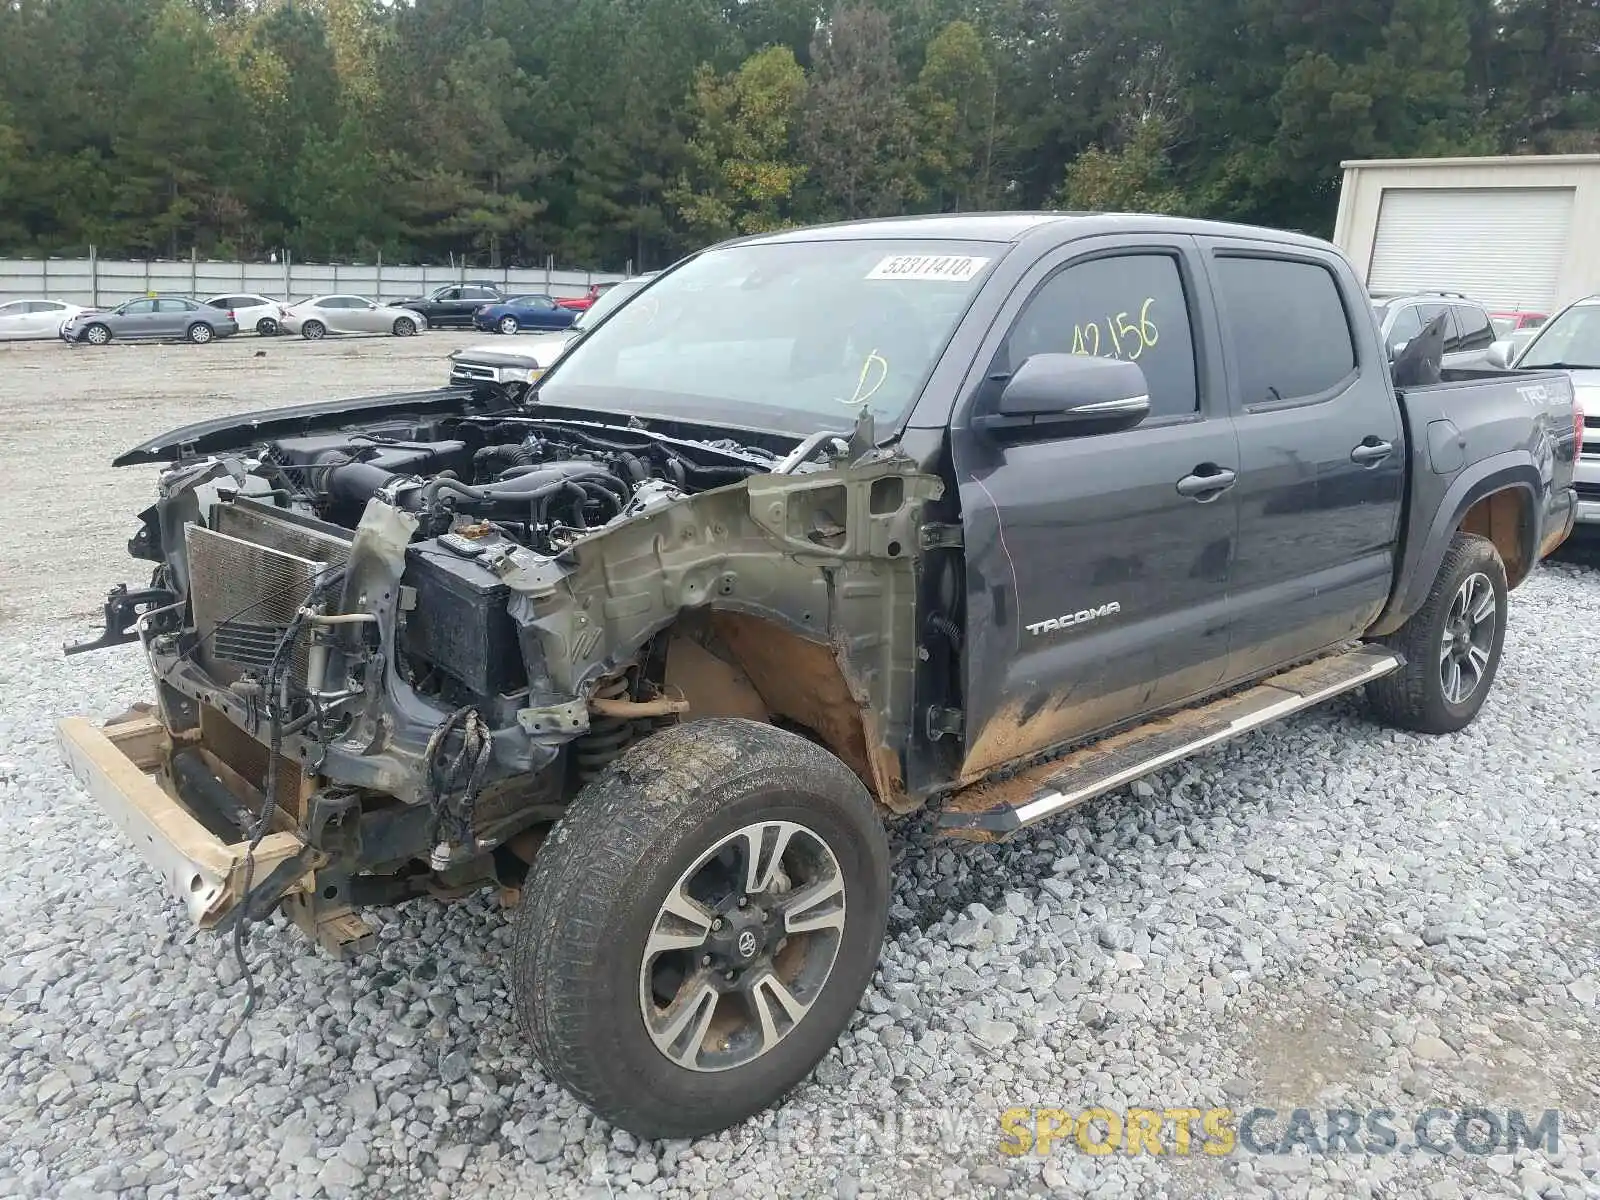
x=1136 y=177
x=956 y=110
x=175 y=141
x=857 y=133
x=744 y=172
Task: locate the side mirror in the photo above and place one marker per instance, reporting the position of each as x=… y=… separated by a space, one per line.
x=1396 y=348
x=1069 y=395
x=1501 y=354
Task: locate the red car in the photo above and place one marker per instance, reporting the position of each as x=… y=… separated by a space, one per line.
x=1507 y=323
x=579 y=303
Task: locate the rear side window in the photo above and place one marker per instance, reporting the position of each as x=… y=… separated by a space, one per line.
x=1473 y=327
x=1290 y=334
x=1127 y=306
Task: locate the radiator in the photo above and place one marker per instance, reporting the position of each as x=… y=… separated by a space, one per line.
x=244 y=593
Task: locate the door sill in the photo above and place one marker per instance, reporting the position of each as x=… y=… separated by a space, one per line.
x=994 y=811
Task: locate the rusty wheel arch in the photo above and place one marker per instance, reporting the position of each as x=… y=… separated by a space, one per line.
x=1506 y=518
x=729 y=663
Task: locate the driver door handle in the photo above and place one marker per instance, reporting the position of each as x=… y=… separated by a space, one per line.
x=1207 y=483
x=1371 y=452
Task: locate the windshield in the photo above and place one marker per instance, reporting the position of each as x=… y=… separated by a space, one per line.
x=1572 y=340
x=795 y=336
x=608 y=300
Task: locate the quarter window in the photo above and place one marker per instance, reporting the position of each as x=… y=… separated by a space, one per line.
x=1288 y=328
x=1127 y=306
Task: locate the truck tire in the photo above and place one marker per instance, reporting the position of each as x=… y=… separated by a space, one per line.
x=1451 y=644
x=699 y=927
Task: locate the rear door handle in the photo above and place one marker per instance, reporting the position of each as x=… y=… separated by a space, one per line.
x=1207 y=483
x=1371 y=452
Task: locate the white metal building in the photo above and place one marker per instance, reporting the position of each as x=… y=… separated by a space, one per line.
x=1520 y=233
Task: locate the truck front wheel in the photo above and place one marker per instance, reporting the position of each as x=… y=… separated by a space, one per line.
x=700 y=926
x=1451 y=644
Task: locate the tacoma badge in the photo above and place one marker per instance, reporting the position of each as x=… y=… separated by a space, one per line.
x=1081 y=617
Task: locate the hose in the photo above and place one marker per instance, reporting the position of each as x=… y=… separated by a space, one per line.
x=512 y=456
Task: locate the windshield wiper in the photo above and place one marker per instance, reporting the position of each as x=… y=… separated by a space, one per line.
x=1561 y=366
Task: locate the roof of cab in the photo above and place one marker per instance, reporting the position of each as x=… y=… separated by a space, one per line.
x=1016 y=226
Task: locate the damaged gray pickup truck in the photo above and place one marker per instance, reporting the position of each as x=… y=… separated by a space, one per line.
x=985 y=515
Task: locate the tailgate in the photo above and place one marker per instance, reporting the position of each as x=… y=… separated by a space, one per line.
x=116 y=764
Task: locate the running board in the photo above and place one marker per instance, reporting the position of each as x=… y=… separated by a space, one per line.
x=993 y=811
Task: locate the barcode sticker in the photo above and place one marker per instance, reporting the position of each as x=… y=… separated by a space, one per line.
x=948 y=268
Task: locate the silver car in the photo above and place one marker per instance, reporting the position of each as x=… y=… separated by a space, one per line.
x=34 y=318
x=1570 y=341
x=323 y=315
x=165 y=317
x=1468 y=332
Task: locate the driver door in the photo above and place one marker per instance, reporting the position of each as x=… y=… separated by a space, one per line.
x=136 y=318
x=364 y=316
x=1097 y=568
x=340 y=317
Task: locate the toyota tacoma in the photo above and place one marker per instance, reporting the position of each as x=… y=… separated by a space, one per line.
x=982 y=515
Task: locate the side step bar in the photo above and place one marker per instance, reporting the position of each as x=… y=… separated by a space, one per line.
x=993 y=811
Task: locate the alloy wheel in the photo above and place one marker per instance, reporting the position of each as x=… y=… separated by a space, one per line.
x=1468 y=638
x=742 y=946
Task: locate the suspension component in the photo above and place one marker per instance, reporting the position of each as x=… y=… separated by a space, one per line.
x=608 y=736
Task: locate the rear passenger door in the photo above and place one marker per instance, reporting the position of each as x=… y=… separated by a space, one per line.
x=1322 y=461
x=1097 y=570
x=173 y=317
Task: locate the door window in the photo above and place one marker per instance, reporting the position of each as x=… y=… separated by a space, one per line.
x=172 y=306
x=1127 y=306
x=1474 y=327
x=1288 y=327
x=138 y=307
x=1406 y=326
x=1427 y=312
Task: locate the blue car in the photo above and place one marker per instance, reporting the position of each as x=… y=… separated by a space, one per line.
x=523 y=312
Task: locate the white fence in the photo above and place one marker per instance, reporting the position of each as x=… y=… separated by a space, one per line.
x=105 y=281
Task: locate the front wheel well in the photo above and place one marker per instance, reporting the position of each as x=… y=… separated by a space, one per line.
x=729 y=664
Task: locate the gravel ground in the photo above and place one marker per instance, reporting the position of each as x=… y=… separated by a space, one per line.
x=1326 y=914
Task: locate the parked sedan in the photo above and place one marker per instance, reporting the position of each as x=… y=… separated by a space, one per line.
x=323 y=315
x=35 y=318
x=150 y=317
x=524 y=312
x=251 y=311
x=454 y=304
x=532 y=356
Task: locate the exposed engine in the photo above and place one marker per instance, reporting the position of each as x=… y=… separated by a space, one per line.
x=477 y=487
x=542 y=483
x=399 y=628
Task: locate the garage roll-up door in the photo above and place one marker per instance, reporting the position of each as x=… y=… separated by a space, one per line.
x=1503 y=246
